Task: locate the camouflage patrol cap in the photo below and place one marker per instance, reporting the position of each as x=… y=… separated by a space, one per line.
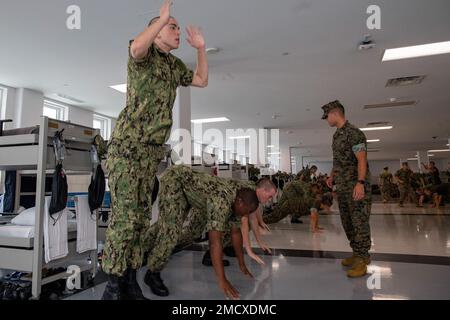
x=331 y=106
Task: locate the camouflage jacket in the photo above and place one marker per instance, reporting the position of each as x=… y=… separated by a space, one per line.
x=151 y=93
x=347 y=141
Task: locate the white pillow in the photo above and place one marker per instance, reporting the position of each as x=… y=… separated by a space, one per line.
x=27 y=217
x=1 y=203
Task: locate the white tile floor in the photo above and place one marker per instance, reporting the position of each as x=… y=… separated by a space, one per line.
x=405 y=231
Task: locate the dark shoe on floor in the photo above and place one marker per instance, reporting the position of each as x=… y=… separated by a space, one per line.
x=154 y=281
x=208 y=262
x=296 y=220
x=114 y=288
x=229 y=252
x=132 y=289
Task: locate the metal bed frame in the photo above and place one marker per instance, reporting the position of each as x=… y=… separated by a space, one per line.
x=35 y=152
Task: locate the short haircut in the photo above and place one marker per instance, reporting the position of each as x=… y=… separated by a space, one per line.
x=386 y=168
x=314 y=167
x=432 y=162
x=266 y=184
x=248 y=196
x=153 y=20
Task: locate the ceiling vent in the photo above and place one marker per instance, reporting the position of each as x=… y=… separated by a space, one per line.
x=373 y=150
x=391 y=104
x=404 y=81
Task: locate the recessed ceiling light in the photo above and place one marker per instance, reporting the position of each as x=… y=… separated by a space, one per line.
x=412 y=159
x=431 y=155
x=423 y=50
x=239 y=137
x=443 y=150
x=273 y=153
x=373 y=140
x=285 y=53
x=210 y=120
x=120 y=87
x=376 y=128
x=271 y=146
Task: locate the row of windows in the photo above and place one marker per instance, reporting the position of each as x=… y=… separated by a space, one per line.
x=61 y=112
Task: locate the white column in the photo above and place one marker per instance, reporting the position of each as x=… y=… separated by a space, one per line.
x=29 y=105
x=181 y=127
x=182 y=109
x=422 y=157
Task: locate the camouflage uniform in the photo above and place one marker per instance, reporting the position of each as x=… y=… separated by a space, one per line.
x=135 y=151
x=201 y=200
x=405 y=187
x=386 y=185
x=296 y=200
x=347 y=141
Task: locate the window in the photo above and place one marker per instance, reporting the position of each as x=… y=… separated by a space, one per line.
x=3 y=92
x=55 y=110
x=2 y=103
x=103 y=124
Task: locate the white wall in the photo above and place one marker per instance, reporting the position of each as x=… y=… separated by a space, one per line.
x=9 y=106
x=28 y=107
x=81 y=116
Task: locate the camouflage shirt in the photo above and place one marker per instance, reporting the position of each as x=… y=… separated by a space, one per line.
x=405 y=176
x=347 y=141
x=214 y=196
x=298 y=198
x=385 y=178
x=151 y=93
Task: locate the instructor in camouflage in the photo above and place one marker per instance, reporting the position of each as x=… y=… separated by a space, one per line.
x=404 y=180
x=352 y=177
x=136 y=146
x=385 y=183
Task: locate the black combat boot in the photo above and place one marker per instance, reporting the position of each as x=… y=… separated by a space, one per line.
x=132 y=289
x=229 y=252
x=114 y=288
x=296 y=220
x=208 y=262
x=154 y=281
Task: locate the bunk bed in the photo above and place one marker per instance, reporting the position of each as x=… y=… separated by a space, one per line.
x=22 y=248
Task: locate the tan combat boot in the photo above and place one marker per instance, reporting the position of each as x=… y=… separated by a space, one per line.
x=348 y=262
x=359 y=268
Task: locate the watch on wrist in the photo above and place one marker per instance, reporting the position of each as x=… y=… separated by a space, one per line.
x=361 y=182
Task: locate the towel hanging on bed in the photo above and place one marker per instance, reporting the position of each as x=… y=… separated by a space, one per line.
x=86 y=225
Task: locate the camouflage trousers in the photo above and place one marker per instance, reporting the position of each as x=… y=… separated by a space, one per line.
x=279 y=213
x=178 y=224
x=385 y=193
x=407 y=193
x=131 y=184
x=355 y=219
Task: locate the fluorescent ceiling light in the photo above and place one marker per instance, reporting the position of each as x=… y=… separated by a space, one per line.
x=273 y=153
x=271 y=146
x=239 y=137
x=377 y=128
x=443 y=150
x=374 y=140
x=120 y=87
x=431 y=155
x=210 y=120
x=412 y=159
x=423 y=50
